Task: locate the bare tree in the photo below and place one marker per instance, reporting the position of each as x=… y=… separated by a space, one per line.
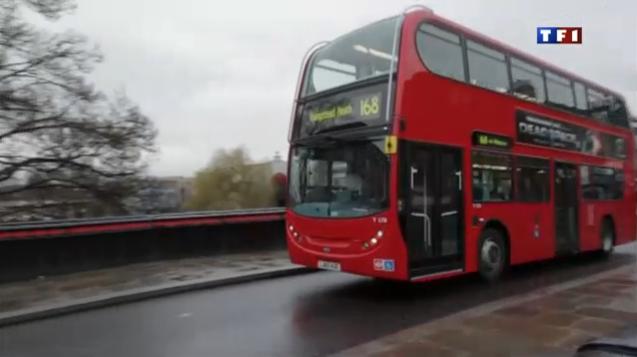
x=56 y=130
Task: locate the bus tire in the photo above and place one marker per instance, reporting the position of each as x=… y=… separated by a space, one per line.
x=607 y=238
x=492 y=255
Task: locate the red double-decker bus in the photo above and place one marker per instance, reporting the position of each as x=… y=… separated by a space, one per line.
x=421 y=149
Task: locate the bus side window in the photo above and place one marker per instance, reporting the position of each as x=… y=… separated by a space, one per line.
x=492 y=177
x=598 y=105
x=618 y=114
x=532 y=179
x=441 y=52
x=580 y=96
x=527 y=81
x=487 y=67
x=602 y=183
x=559 y=89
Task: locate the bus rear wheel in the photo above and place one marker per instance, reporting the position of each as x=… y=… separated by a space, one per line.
x=492 y=255
x=608 y=239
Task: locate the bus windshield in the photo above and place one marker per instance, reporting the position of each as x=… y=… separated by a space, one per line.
x=362 y=54
x=345 y=179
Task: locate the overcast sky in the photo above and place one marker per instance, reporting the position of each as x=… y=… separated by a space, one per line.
x=216 y=74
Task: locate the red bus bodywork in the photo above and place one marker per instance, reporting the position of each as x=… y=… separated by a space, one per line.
x=433 y=109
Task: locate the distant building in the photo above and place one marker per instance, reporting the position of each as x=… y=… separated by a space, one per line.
x=47 y=204
x=278 y=165
x=159 y=195
x=164 y=194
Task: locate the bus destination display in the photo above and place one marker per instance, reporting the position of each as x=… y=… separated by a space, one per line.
x=365 y=106
x=491 y=140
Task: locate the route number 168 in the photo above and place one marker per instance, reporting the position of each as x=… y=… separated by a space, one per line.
x=369 y=106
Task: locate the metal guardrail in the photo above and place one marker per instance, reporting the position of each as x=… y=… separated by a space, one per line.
x=135 y=222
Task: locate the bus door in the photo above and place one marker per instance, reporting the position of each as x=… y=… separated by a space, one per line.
x=432 y=200
x=566 y=222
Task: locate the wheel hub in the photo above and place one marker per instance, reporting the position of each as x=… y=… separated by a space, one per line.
x=608 y=243
x=491 y=254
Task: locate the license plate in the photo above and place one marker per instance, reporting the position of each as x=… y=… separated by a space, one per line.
x=322 y=264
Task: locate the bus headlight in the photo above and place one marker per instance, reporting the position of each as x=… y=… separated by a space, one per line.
x=373 y=241
x=294 y=233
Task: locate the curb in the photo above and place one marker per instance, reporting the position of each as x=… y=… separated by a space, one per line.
x=133 y=295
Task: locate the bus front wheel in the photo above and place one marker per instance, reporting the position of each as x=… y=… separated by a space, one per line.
x=492 y=255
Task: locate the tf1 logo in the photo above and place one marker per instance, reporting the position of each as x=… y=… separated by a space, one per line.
x=559 y=35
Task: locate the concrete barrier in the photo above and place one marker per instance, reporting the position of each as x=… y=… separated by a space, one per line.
x=22 y=259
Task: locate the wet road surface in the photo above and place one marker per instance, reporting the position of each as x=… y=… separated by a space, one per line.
x=306 y=315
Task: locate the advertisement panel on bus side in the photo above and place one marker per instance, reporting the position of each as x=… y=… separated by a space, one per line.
x=540 y=130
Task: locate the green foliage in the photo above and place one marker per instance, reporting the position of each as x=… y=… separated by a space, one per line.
x=232 y=181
